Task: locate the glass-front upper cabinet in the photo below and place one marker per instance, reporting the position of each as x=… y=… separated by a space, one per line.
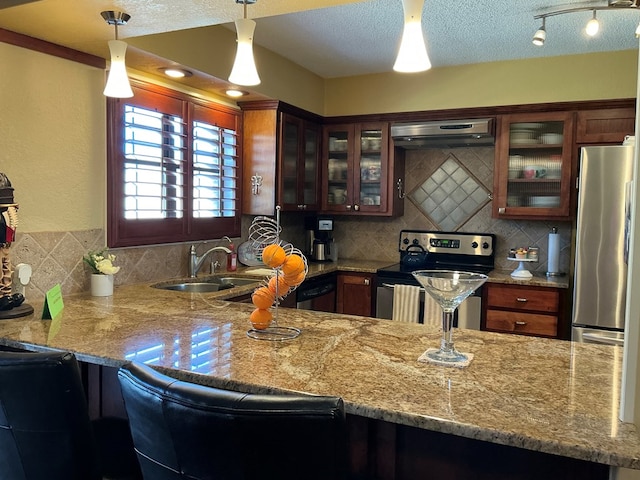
x=357 y=163
x=533 y=168
x=299 y=164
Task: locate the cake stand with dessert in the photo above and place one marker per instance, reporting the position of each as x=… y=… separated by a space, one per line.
x=522 y=255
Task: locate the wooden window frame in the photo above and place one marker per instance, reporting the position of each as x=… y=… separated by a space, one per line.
x=123 y=232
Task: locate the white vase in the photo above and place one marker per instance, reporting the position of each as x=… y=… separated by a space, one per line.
x=101 y=285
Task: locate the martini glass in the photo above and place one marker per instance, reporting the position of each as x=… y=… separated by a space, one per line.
x=448 y=288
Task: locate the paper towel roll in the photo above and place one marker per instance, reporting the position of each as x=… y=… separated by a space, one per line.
x=553 y=254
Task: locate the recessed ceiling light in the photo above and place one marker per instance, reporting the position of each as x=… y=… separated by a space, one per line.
x=232 y=92
x=175 y=72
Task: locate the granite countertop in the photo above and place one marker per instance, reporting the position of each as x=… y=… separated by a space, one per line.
x=540 y=394
x=370 y=266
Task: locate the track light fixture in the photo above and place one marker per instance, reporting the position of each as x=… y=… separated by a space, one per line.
x=541 y=34
x=593 y=26
x=118 y=82
x=244 y=70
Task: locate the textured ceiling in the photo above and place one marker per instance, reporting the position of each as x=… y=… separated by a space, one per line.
x=336 y=38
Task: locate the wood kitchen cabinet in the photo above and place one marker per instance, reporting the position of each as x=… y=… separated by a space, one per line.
x=533 y=166
x=524 y=310
x=355 y=294
x=359 y=171
x=606 y=125
x=281 y=158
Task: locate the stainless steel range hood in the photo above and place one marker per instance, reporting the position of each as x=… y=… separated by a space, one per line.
x=444 y=134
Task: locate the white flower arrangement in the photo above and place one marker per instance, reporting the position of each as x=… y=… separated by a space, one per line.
x=101 y=262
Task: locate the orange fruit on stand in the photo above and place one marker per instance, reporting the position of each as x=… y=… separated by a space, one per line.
x=263 y=297
x=295 y=280
x=273 y=255
x=280 y=288
x=260 y=318
x=293 y=265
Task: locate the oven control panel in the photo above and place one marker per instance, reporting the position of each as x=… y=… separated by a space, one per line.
x=455 y=243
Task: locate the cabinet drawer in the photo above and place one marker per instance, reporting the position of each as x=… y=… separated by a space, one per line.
x=523 y=298
x=524 y=323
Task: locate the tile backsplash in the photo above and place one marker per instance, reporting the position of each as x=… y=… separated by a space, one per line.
x=371 y=237
x=56 y=257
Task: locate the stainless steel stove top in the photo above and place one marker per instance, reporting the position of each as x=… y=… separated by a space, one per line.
x=422 y=249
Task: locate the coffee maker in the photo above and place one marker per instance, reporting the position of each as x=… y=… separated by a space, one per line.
x=320 y=245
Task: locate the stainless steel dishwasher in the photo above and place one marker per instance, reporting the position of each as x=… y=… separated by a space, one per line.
x=317 y=293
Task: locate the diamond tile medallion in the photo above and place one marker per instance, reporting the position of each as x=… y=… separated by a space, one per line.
x=450 y=196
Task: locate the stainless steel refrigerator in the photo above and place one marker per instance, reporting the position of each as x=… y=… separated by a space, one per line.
x=600 y=271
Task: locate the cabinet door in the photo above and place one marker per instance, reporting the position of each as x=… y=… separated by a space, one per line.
x=337 y=190
x=299 y=153
x=360 y=172
x=371 y=162
x=532 y=175
x=355 y=294
x=310 y=171
x=291 y=133
x=608 y=125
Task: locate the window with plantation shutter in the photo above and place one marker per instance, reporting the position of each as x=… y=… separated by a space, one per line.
x=173 y=169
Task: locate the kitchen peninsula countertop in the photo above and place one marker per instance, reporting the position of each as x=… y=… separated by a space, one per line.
x=539 y=394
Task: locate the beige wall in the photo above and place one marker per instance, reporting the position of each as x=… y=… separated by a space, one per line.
x=212 y=50
x=52 y=129
x=556 y=79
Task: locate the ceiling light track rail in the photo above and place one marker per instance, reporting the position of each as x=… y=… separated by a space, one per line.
x=586 y=9
x=593 y=25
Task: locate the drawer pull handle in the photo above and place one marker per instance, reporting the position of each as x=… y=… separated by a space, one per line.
x=521 y=300
x=519 y=323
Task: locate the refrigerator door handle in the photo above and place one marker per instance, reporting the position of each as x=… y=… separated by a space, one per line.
x=597 y=338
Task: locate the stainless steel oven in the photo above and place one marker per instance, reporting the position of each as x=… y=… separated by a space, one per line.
x=436 y=250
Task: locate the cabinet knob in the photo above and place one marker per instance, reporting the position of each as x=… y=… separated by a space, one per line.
x=356 y=207
x=367 y=281
x=521 y=300
x=502 y=210
x=348 y=207
x=520 y=323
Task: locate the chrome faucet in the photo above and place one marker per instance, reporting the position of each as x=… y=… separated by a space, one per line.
x=196 y=262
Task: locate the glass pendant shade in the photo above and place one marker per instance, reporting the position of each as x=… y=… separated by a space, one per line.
x=412 y=56
x=118 y=82
x=244 y=70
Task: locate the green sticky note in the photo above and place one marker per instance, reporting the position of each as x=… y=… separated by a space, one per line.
x=52 y=303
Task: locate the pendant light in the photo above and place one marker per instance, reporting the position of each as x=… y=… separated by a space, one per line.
x=118 y=82
x=244 y=70
x=412 y=56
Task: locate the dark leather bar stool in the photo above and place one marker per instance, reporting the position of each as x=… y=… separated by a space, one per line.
x=183 y=430
x=45 y=431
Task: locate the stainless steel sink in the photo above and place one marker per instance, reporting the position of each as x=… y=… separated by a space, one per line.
x=238 y=281
x=194 y=287
x=206 y=285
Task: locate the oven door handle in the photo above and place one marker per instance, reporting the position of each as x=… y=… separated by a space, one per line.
x=388 y=285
